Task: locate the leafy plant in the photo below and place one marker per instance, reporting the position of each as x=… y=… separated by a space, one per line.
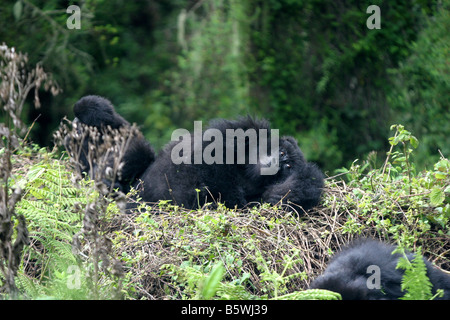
x=396 y=197
x=415 y=282
x=278 y=281
x=51 y=268
x=208 y=286
x=15 y=85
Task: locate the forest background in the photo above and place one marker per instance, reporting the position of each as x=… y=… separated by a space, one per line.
x=312 y=67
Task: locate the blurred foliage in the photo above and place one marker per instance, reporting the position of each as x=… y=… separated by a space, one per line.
x=421 y=95
x=311 y=66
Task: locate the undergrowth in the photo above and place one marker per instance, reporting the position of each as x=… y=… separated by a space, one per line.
x=52 y=268
x=261 y=252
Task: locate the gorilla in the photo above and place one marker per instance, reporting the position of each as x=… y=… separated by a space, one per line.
x=349 y=271
x=232 y=178
x=94 y=111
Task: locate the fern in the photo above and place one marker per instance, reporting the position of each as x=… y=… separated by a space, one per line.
x=48 y=202
x=415 y=281
x=47 y=206
x=311 y=294
x=50 y=269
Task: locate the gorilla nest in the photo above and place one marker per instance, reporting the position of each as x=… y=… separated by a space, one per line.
x=248 y=241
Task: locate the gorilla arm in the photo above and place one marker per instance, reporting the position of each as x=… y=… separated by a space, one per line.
x=301 y=188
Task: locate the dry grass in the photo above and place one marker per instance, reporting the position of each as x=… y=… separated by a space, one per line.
x=242 y=239
x=177 y=236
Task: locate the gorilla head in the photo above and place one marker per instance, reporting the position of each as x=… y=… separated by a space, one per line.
x=96 y=112
x=95 y=116
x=297 y=182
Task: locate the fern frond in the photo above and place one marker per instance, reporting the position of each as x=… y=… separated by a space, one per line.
x=311 y=294
x=47 y=206
x=415 y=281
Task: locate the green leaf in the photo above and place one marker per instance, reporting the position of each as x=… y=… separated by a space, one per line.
x=212 y=282
x=437 y=197
x=415 y=281
x=414 y=142
x=440 y=175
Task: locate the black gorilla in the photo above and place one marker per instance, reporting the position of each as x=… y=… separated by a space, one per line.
x=193 y=184
x=95 y=111
x=349 y=271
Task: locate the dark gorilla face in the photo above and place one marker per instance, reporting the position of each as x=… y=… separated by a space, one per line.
x=283 y=162
x=291 y=157
x=285 y=159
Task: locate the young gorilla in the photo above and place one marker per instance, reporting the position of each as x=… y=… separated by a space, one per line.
x=349 y=271
x=191 y=185
x=295 y=181
x=98 y=112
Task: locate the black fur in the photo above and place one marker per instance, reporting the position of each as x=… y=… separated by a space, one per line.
x=191 y=185
x=299 y=181
x=348 y=273
x=95 y=111
x=98 y=112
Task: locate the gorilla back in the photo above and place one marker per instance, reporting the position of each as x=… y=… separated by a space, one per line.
x=235 y=184
x=190 y=184
x=349 y=271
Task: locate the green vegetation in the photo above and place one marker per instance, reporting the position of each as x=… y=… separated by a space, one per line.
x=52 y=265
x=311 y=67
x=167 y=252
